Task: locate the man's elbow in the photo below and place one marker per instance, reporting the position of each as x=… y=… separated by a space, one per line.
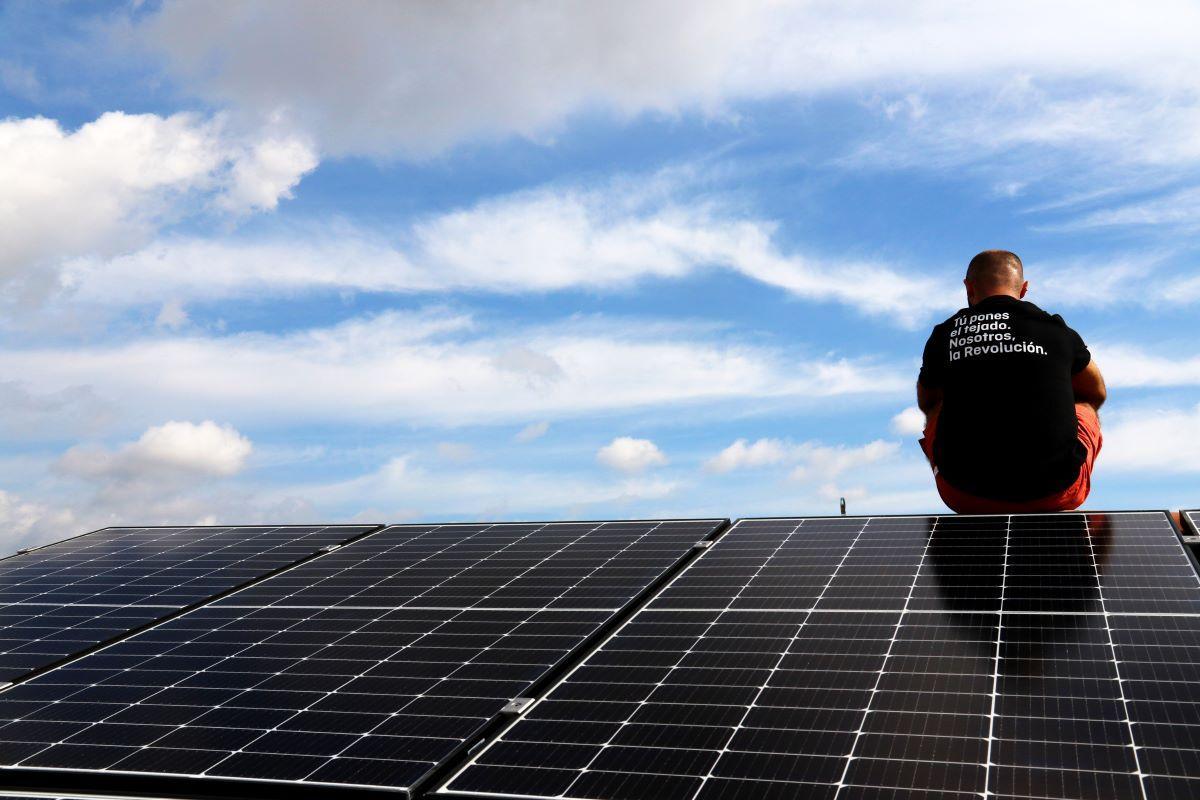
x=928 y=399
x=1089 y=388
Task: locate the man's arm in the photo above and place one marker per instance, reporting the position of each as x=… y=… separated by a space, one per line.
x=928 y=398
x=1088 y=386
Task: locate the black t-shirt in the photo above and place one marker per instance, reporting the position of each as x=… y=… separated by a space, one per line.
x=1007 y=428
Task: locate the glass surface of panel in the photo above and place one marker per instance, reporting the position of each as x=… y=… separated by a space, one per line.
x=919 y=657
x=367 y=667
x=67 y=597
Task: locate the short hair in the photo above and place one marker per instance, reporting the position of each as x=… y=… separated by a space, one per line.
x=996 y=269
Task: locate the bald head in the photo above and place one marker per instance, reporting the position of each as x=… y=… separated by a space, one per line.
x=995 y=272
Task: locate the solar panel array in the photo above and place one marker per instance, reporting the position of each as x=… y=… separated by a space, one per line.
x=65 y=598
x=1192 y=520
x=366 y=667
x=943 y=658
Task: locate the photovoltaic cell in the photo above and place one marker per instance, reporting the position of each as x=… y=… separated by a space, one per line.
x=943 y=658
x=367 y=667
x=65 y=598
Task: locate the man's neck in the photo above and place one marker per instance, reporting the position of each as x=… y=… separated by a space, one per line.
x=1000 y=293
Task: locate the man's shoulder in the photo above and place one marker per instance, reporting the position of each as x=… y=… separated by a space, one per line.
x=950 y=321
x=1038 y=312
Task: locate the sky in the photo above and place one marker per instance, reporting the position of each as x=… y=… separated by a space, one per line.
x=376 y=261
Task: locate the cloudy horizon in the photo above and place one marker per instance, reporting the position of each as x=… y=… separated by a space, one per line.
x=287 y=261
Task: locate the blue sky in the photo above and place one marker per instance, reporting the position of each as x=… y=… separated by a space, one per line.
x=287 y=261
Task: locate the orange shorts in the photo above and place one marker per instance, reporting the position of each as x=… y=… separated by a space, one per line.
x=1067 y=500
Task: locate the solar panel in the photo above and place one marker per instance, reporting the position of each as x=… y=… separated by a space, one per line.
x=367 y=667
x=944 y=658
x=1191 y=520
x=65 y=598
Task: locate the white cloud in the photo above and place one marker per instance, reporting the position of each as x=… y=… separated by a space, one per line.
x=1155 y=441
x=1020 y=130
x=175 y=473
x=627 y=454
x=825 y=462
x=26 y=524
x=266 y=172
x=436 y=368
x=809 y=459
x=1178 y=209
x=1182 y=290
x=741 y=455
x=381 y=78
x=108 y=186
x=531 y=432
x=405 y=488
x=543 y=240
x=169 y=450
x=1131 y=366
x=172 y=315
x=909 y=422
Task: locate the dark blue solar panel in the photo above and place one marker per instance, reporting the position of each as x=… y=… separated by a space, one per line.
x=65 y=598
x=367 y=667
x=950 y=658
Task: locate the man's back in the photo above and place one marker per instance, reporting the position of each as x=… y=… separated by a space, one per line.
x=1006 y=429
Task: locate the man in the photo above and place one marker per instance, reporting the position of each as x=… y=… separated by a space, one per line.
x=1010 y=396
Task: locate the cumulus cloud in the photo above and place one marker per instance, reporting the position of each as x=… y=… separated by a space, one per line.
x=382 y=78
x=108 y=186
x=807 y=459
x=541 y=240
x=630 y=455
x=440 y=368
x=25 y=523
x=742 y=454
x=173 y=449
x=175 y=473
x=909 y=422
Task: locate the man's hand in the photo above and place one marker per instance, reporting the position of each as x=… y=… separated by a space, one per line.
x=1088 y=386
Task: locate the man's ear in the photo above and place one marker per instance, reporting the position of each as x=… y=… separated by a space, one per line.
x=967 y=286
x=1024 y=288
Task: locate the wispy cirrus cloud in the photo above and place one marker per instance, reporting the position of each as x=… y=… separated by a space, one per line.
x=440 y=368
x=543 y=240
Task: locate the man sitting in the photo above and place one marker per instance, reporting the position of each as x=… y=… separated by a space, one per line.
x=1010 y=396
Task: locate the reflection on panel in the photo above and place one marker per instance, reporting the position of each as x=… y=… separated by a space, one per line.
x=931 y=657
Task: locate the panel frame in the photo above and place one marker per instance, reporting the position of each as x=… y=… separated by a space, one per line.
x=453 y=773
x=66 y=781
x=372 y=528
x=1187 y=527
